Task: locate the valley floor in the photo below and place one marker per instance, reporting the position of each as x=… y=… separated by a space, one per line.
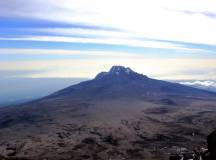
x=102 y=130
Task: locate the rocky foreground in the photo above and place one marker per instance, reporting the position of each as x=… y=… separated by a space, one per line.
x=208 y=153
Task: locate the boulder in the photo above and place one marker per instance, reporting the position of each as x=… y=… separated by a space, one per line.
x=211 y=140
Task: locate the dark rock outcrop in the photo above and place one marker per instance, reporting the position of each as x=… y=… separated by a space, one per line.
x=211 y=140
x=202 y=154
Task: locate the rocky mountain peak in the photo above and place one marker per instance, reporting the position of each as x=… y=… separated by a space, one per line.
x=117 y=71
x=120 y=69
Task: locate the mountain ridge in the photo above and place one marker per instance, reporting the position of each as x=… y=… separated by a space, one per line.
x=122 y=81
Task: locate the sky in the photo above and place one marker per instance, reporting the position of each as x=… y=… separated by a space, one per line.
x=164 y=39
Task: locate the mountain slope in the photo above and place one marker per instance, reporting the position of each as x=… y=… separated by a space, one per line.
x=123 y=82
x=119 y=114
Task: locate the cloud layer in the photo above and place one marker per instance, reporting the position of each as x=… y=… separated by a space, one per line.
x=150 y=19
x=165 y=39
x=168 y=68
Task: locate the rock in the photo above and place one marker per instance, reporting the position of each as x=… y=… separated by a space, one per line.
x=12 y=153
x=175 y=157
x=89 y=140
x=111 y=140
x=198 y=154
x=189 y=156
x=211 y=140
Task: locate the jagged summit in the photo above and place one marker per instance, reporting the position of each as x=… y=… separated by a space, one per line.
x=118 y=71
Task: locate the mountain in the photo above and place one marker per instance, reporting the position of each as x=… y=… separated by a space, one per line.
x=122 y=82
x=120 y=114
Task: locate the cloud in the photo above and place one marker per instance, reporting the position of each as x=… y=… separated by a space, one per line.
x=108 y=41
x=139 y=23
x=83 y=53
x=204 y=13
x=202 y=83
x=154 y=19
x=206 y=85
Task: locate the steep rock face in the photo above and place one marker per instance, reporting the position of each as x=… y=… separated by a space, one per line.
x=211 y=140
x=200 y=153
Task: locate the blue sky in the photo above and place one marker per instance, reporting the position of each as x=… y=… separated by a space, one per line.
x=77 y=38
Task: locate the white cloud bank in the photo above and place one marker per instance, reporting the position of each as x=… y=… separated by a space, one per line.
x=201 y=83
x=207 y=85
